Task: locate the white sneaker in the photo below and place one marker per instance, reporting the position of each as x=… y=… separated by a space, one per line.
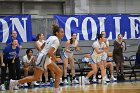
x=65 y=81
x=86 y=81
x=113 y=79
x=47 y=83
x=3 y=87
x=42 y=84
x=20 y=85
x=61 y=82
x=25 y=84
x=16 y=88
x=104 y=82
x=12 y=84
x=36 y=84
x=94 y=80
x=107 y=79
x=3 y=64
x=75 y=81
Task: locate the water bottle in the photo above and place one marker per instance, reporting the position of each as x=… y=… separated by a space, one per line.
x=5 y=84
x=32 y=85
x=40 y=83
x=80 y=80
x=51 y=82
x=69 y=81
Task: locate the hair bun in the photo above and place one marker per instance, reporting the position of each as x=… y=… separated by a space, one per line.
x=54 y=26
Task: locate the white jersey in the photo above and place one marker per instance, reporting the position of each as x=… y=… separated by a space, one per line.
x=40 y=43
x=52 y=41
x=104 y=54
x=25 y=59
x=95 y=56
x=73 y=45
x=71 y=48
x=43 y=59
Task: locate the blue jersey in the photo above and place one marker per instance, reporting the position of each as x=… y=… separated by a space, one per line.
x=9 y=53
x=9 y=41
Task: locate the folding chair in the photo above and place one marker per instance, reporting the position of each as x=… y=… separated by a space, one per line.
x=135 y=66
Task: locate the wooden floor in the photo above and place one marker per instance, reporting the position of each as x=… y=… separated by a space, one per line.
x=124 y=87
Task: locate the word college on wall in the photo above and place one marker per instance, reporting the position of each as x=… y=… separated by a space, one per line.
x=19 y=23
x=88 y=26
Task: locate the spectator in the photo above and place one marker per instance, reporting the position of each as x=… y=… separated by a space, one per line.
x=3 y=73
x=29 y=64
x=14 y=36
x=118 y=57
x=39 y=45
x=40 y=42
x=10 y=57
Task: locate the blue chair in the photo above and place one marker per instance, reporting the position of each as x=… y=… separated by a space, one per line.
x=134 y=65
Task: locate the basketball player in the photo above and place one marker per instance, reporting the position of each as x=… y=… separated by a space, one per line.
x=70 y=46
x=99 y=48
x=47 y=54
x=104 y=60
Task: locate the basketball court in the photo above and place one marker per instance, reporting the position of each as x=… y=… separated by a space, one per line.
x=121 y=87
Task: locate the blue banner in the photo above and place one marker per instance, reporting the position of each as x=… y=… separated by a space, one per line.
x=88 y=26
x=20 y=23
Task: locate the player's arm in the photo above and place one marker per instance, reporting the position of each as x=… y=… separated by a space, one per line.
x=2 y=63
x=107 y=45
x=52 y=49
x=99 y=51
x=24 y=63
x=43 y=45
x=2 y=55
x=52 y=55
x=38 y=46
x=116 y=45
x=67 y=47
x=77 y=48
x=13 y=61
